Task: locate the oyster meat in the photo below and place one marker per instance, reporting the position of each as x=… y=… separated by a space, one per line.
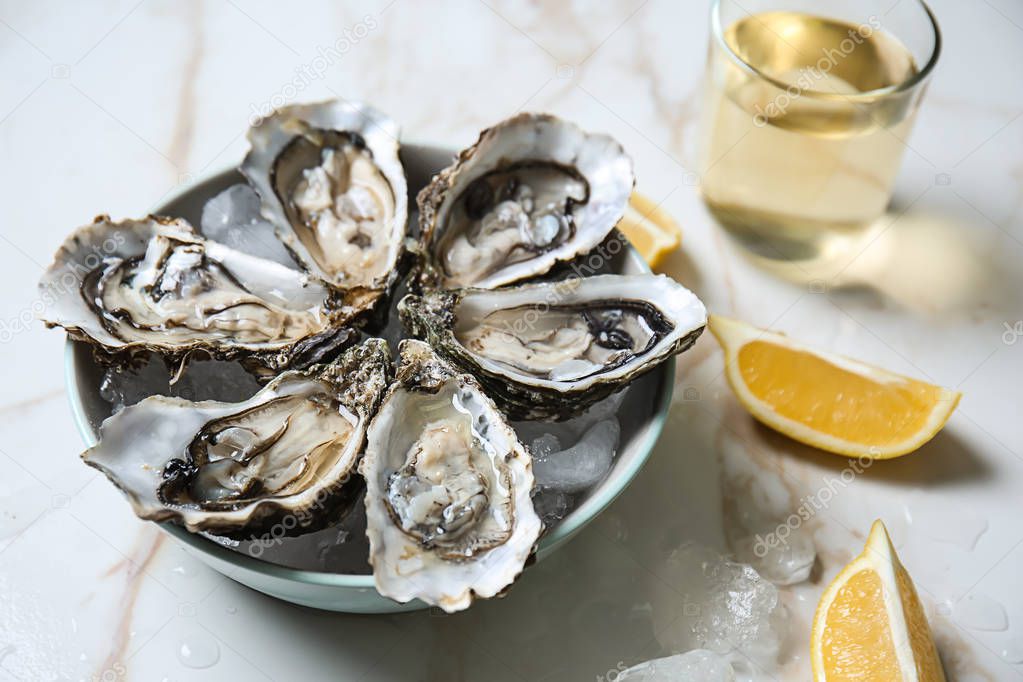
x=551 y=349
x=156 y=285
x=330 y=180
x=236 y=469
x=313 y=248
x=448 y=483
x=533 y=191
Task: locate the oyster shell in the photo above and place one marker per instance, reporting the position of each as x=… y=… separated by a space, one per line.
x=156 y=285
x=448 y=483
x=330 y=180
x=549 y=350
x=534 y=190
x=281 y=457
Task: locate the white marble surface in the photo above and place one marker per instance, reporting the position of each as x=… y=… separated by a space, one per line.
x=107 y=106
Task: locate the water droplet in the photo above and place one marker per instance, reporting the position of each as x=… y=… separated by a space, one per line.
x=183 y=570
x=230 y=610
x=198 y=650
x=945 y=523
x=1012 y=650
x=978 y=612
x=20 y=510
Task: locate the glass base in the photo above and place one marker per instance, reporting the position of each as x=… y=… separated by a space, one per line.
x=795 y=249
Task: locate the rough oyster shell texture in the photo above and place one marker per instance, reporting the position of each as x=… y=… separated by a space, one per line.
x=280 y=457
x=448 y=484
x=330 y=180
x=533 y=191
x=156 y=285
x=549 y=350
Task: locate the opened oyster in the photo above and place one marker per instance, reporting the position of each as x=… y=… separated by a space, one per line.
x=156 y=285
x=552 y=349
x=236 y=469
x=447 y=488
x=330 y=181
x=449 y=513
x=533 y=191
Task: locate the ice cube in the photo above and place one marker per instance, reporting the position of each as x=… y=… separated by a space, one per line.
x=123 y=386
x=342 y=547
x=543 y=446
x=551 y=506
x=570 y=430
x=763 y=525
x=215 y=380
x=698 y=665
x=201 y=380
x=728 y=607
x=783 y=561
x=233 y=219
x=581 y=466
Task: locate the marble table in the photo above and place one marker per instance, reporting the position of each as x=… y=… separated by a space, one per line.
x=106 y=107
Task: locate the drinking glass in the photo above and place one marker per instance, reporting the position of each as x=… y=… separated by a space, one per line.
x=807 y=108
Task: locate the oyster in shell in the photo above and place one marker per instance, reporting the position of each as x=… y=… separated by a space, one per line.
x=330 y=180
x=448 y=483
x=534 y=190
x=549 y=350
x=236 y=469
x=156 y=285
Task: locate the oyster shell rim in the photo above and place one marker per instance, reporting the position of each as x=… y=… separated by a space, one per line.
x=431 y=198
x=420 y=370
x=78 y=359
x=341 y=329
x=257 y=515
x=519 y=399
x=272 y=208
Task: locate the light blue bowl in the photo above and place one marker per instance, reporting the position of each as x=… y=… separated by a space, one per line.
x=642 y=418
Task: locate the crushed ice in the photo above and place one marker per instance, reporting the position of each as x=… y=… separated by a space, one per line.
x=201 y=380
x=728 y=608
x=761 y=526
x=571 y=456
x=698 y=665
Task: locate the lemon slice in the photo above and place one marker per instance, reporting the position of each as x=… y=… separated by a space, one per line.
x=870 y=624
x=651 y=230
x=829 y=401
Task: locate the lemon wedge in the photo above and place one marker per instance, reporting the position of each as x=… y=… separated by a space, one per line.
x=650 y=229
x=826 y=400
x=870 y=625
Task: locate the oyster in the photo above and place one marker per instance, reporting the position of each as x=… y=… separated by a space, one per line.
x=155 y=284
x=534 y=190
x=551 y=349
x=448 y=484
x=329 y=179
x=237 y=469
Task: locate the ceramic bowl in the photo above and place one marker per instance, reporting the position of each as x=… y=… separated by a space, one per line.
x=641 y=417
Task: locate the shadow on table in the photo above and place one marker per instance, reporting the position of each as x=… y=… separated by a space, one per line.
x=945 y=460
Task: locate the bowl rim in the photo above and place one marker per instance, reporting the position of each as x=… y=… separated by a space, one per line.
x=575 y=521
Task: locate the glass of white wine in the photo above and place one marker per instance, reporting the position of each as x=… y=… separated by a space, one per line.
x=806 y=113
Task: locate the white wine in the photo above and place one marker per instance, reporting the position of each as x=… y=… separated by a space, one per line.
x=803 y=133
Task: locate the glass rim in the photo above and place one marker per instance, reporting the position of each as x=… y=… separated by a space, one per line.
x=916 y=79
